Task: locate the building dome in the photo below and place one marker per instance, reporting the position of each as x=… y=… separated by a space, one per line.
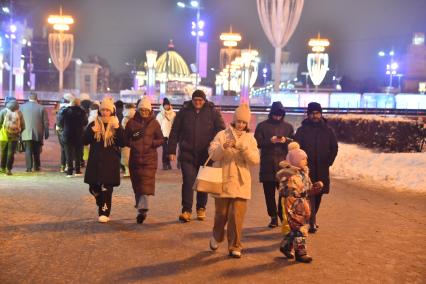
x=172 y=63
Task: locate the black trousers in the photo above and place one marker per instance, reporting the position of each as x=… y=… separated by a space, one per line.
x=189 y=174
x=103 y=196
x=8 y=149
x=315 y=202
x=32 y=154
x=73 y=154
x=165 y=156
x=273 y=205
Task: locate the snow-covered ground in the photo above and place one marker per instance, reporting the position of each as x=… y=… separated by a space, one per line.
x=402 y=171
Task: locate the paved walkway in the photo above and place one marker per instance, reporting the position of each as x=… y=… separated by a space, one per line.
x=49 y=234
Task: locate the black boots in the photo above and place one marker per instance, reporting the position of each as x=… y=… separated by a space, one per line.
x=141 y=216
x=273 y=223
x=303 y=258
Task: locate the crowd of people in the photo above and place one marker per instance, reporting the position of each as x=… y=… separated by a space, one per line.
x=115 y=137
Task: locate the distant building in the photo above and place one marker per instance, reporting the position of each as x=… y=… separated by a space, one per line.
x=415 y=64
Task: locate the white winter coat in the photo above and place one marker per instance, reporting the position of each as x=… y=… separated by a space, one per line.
x=235 y=162
x=128 y=113
x=166 y=118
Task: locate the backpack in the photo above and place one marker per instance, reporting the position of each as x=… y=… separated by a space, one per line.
x=12 y=123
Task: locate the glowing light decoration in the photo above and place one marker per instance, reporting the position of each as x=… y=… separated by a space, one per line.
x=61 y=45
x=318 y=60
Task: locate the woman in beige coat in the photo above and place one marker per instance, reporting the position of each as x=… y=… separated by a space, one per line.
x=234 y=150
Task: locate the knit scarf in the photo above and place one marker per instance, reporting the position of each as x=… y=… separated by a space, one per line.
x=100 y=132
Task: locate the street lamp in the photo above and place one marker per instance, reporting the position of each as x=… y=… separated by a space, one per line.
x=318 y=60
x=196 y=6
x=391 y=67
x=61 y=44
x=12 y=36
x=229 y=40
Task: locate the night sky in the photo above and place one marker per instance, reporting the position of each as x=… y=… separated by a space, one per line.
x=121 y=30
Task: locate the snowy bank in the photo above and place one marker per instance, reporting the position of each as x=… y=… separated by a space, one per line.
x=403 y=171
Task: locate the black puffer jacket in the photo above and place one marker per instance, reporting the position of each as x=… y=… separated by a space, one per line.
x=72 y=121
x=271 y=154
x=320 y=144
x=194 y=132
x=103 y=166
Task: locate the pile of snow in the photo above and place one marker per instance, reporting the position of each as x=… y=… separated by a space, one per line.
x=403 y=171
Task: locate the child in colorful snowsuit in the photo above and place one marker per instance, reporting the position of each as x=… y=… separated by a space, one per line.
x=295 y=187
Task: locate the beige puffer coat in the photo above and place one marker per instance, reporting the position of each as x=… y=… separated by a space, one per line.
x=235 y=162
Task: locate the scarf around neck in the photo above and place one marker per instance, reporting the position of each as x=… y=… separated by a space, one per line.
x=106 y=133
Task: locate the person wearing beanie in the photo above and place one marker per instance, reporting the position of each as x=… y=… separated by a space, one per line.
x=128 y=113
x=166 y=117
x=36 y=130
x=12 y=124
x=72 y=121
x=271 y=136
x=295 y=189
x=235 y=151
x=195 y=126
x=318 y=140
x=143 y=136
x=104 y=135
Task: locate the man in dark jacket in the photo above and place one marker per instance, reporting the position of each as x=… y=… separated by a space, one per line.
x=195 y=126
x=318 y=140
x=271 y=137
x=72 y=121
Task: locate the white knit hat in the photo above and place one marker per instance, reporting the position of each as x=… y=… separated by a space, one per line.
x=242 y=113
x=145 y=103
x=107 y=103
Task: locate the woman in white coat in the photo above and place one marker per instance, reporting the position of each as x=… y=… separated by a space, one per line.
x=165 y=117
x=234 y=150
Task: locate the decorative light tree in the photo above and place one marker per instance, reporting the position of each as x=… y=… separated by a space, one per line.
x=151 y=57
x=279 y=19
x=61 y=44
x=318 y=60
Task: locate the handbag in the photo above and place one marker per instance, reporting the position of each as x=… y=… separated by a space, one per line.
x=209 y=179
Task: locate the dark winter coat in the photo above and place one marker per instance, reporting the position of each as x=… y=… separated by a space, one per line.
x=72 y=120
x=320 y=144
x=103 y=166
x=271 y=154
x=194 y=132
x=143 y=159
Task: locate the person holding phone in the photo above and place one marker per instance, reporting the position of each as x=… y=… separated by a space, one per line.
x=272 y=137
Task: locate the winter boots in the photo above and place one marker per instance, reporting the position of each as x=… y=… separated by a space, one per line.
x=141 y=216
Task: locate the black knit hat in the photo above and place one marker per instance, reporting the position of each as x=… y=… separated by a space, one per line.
x=277 y=108
x=314 y=106
x=166 y=101
x=199 y=94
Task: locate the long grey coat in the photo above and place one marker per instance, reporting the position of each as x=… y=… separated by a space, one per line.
x=36 y=122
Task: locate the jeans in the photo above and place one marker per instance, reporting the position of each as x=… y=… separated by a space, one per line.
x=165 y=156
x=189 y=174
x=73 y=154
x=8 y=149
x=63 y=154
x=32 y=154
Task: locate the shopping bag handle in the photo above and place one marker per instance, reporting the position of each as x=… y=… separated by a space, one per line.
x=207 y=161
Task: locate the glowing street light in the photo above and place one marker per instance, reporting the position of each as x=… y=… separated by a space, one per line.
x=230 y=40
x=5 y=10
x=391 y=67
x=197 y=33
x=318 y=60
x=61 y=44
